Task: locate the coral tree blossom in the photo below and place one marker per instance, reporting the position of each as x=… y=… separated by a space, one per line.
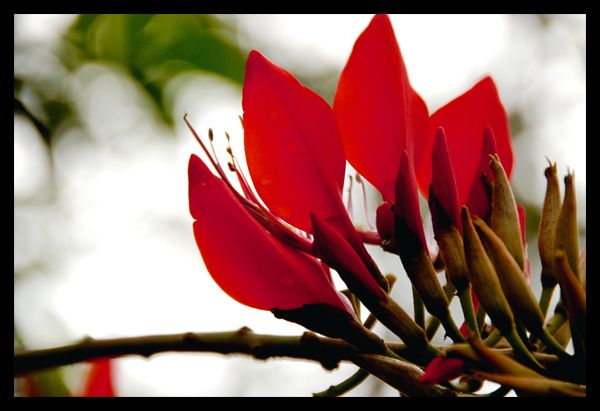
x=381 y=116
x=245 y=260
x=296 y=147
x=294 y=150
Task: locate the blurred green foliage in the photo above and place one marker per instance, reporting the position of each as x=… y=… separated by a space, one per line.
x=151 y=48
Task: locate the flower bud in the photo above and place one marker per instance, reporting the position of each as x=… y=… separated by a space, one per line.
x=512 y=280
x=386 y=226
x=547 y=230
x=567 y=230
x=451 y=244
x=573 y=294
x=413 y=251
x=505 y=216
x=484 y=279
x=334 y=250
x=516 y=289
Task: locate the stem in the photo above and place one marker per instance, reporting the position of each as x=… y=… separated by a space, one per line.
x=466 y=302
x=545 y=298
x=493 y=338
x=418 y=308
x=433 y=323
x=309 y=346
x=451 y=329
x=521 y=350
x=480 y=316
x=553 y=345
x=336 y=390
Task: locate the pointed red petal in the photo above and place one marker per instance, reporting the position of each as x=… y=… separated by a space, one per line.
x=99 y=380
x=249 y=264
x=293 y=146
x=478 y=202
x=333 y=249
x=443 y=182
x=442 y=369
x=407 y=195
x=464 y=120
x=379 y=113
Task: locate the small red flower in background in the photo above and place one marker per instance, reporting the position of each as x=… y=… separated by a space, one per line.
x=99 y=381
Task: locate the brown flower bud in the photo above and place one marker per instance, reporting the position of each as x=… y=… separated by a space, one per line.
x=547 y=230
x=484 y=279
x=450 y=242
x=512 y=280
x=505 y=216
x=567 y=230
x=573 y=295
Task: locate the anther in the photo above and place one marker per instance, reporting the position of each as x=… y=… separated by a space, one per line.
x=364 y=191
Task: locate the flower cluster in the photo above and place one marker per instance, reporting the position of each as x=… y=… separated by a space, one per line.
x=274 y=249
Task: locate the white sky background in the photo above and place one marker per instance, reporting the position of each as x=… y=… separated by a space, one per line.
x=114 y=254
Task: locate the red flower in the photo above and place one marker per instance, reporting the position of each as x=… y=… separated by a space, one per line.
x=444 y=182
x=294 y=150
x=381 y=116
x=248 y=262
x=379 y=113
x=99 y=380
x=464 y=120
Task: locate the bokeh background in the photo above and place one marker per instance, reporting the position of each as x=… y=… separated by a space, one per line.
x=103 y=244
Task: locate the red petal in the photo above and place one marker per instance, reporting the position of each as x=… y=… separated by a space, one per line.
x=407 y=194
x=443 y=182
x=379 y=113
x=442 y=369
x=249 y=264
x=385 y=221
x=464 y=120
x=333 y=249
x=293 y=146
x=478 y=202
x=99 y=381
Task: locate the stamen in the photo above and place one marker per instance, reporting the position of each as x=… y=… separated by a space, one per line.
x=215 y=165
x=211 y=139
x=262 y=215
x=349 y=205
x=364 y=192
